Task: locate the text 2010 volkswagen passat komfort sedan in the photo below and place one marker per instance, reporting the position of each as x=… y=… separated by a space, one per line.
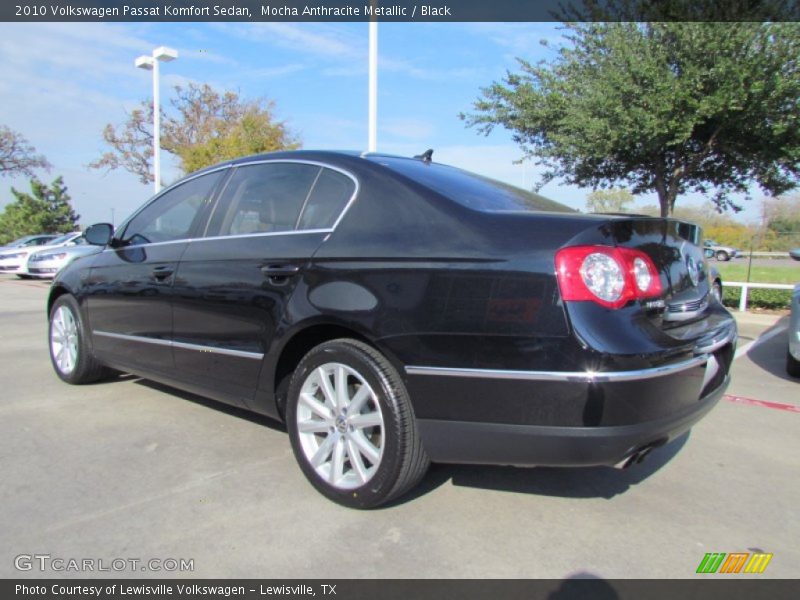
x=394 y=311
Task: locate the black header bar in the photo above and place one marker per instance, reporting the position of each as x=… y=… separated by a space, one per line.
x=398 y=10
x=586 y=587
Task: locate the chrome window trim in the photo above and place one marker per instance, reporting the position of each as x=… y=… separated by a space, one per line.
x=181 y=345
x=221 y=237
x=330 y=229
x=571 y=376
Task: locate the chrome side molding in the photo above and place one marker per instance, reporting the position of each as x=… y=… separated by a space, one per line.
x=182 y=345
x=572 y=376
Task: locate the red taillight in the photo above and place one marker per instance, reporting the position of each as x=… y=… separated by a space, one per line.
x=606 y=275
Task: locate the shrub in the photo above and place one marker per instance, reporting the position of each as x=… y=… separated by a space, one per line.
x=757 y=298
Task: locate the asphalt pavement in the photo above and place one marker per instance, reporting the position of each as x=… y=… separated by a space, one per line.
x=128 y=469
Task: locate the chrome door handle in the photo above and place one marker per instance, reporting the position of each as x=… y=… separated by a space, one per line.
x=280 y=270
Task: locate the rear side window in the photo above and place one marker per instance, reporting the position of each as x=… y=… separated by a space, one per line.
x=327 y=200
x=471 y=190
x=264 y=198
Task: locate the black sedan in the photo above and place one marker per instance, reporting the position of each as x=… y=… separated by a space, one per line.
x=394 y=311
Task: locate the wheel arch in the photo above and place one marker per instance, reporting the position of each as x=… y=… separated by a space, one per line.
x=55 y=293
x=301 y=341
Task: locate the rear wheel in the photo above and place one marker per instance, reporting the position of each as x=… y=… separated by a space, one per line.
x=792 y=365
x=69 y=348
x=723 y=256
x=352 y=427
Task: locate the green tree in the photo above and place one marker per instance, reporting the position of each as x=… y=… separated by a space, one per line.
x=204 y=127
x=17 y=156
x=665 y=107
x=612 y=200
x=44 y=209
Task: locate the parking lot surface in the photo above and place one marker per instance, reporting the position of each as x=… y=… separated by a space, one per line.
x=131 y=469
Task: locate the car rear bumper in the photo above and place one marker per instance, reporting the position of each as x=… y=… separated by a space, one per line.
x=533 y=445
x=564 y=418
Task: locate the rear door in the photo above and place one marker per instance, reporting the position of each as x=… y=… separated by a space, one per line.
x=129 y=289
x=232 y=287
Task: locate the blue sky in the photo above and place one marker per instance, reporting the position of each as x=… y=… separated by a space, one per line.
x=60 y=83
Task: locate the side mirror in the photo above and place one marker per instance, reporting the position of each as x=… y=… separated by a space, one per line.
x=709 y=253
x=99 y=234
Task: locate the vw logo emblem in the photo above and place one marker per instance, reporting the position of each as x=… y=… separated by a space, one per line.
x=694 y=272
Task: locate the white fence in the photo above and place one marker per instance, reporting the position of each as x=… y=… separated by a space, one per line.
x=746 y=285
x=745 y=254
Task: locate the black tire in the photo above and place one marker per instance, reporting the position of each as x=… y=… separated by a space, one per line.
x=792 y=365
x=85 y=369
x=723 y=256
x=403 y=461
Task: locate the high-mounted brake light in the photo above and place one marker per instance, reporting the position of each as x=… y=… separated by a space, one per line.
x=609 y=276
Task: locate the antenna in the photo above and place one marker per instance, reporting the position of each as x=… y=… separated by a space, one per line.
x=425 y=156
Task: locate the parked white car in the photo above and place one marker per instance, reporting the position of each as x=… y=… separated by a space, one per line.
x=39 y=239
x=45 y=264
x=15 y=260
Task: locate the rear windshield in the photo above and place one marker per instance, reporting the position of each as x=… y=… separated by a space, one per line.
x=472 y=190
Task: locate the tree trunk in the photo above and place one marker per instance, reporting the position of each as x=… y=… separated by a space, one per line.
x=667 y=191
x=663 y=194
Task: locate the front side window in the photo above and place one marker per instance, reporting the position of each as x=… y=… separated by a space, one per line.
x=172 y=215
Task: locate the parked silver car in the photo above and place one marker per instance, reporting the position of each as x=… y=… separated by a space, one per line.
x=44 y=264
x=723 y=253
x=793 y=352
x=15 y=260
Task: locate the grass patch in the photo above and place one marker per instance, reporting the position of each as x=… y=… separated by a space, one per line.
x=759 y=274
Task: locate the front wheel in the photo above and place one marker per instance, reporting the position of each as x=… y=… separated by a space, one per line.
x=70 y=352
x=352 y=427
x=723 y=256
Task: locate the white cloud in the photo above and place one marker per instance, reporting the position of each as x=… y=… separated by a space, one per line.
x=317 y=39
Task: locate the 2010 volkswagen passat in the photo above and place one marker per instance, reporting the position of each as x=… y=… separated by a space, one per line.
x=395 y=311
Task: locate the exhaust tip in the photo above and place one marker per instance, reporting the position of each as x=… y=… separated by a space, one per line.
x=638 y=456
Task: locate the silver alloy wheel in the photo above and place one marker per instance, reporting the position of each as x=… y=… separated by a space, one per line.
x=340 y=426
x=64 y=340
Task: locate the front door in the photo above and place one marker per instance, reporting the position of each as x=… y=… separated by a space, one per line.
x=129 y=289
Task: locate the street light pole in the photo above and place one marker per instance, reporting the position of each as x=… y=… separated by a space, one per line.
x=156 y=128
x=373 y=86
x=150 y=63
